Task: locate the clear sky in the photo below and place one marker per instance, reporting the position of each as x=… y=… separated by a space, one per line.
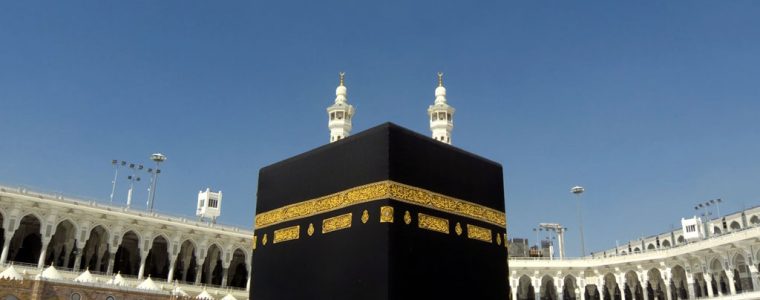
x=652 y=106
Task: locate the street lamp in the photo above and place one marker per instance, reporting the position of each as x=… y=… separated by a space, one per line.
x=158 y=158
x=578 y=190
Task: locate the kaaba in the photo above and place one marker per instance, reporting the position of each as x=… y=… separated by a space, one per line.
x=383 y=214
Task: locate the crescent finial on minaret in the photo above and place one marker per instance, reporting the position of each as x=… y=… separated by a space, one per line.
x=342 y=77
x=440 y=78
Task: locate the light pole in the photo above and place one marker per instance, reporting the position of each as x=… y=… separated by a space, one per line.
x=116 y=165
x=578 y=190
x=132 y=179
x=158 y=158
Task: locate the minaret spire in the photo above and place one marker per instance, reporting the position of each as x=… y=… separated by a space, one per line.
x=340 y=113
x=441 y=115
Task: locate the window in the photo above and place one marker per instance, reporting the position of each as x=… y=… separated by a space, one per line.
x=339 y=115
x=76 y=296
x=110 y=298
x=442 y=115
x=213 y=203
x=435 y=117
x=448 y=117
x=203 y=202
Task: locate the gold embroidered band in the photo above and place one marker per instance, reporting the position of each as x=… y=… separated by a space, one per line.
x=336 y=223
x=479 y=233
x=377 y=191
x=433 y=223
x=286 y=234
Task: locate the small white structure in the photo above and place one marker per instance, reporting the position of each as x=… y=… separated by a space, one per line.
x=85 y=277
x=692 y=229
x=229 y=297
x=441 y=115
x=117 y=280
x=340 y=113
x=204 y=296
x=50 y=273
x=209 y=205
x=10 y=273
x=148 y=285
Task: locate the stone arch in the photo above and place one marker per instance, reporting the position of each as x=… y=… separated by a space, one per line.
x=716 y=230
x=633 y=289
x=679 y=288
x=651 y=247
x=666 y=244
x=238 y=271
x=95 y=249
x=611 y=290
x=636 y=250
x=592 y=292
x=60 y=248
x=525 y=290
x=212 y=265
x=548 y=290
x=655 y=285
x=735 y=225
x=157 y=262
x=719 y=282
x=680 y=239
x=754 y=220
x=187 y=265
x=569 y=286
x=742 y=275
x=26 y=244
x=623 y=252
x=128 y=255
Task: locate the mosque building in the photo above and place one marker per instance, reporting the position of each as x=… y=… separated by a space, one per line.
x=60 y=247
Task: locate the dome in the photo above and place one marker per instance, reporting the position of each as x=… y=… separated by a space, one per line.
x=50 y=273
x=148 y=285
x=440 y=91
x=341 y=90
x=10 y=273
x=85 y=277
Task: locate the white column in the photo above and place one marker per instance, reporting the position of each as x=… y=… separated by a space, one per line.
x=143 y=257
x=754 y=275
x=111 y=261
x=730 y=283
x=690 y=286
x=43 y=253
x=644 y=279
x=199 y=273
x=668 y=294
x=537 y=288
x=708 y=281
x=78 y=257
x=6 y=246
x=172 y=261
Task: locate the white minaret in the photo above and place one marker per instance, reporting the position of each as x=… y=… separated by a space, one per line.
x=441 y=114
x=340 y=113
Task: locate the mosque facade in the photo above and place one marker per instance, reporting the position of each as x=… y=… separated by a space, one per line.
x=57 y=247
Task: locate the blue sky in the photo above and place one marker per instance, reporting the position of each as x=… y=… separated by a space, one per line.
x=652 y=106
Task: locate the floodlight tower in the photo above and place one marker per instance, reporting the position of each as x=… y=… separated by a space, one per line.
x=132 y=179
x=158 y=158
x=578 y=190
x=116 y=164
